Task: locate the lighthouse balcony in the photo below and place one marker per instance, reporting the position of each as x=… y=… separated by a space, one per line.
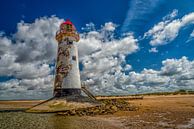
x=63 y=35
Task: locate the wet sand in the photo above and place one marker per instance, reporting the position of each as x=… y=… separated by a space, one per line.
x=161 y=112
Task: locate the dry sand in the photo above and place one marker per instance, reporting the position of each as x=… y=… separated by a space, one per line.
x=18 y=105
x=161 y=112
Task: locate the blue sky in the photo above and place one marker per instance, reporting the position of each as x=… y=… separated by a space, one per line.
x=81 y=12
x=143 y=45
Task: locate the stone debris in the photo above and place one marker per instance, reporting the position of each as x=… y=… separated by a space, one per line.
x=108 y=106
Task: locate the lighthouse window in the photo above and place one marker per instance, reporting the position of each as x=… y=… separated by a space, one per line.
x=70 y=42
x=74 y=58
x=69 y=28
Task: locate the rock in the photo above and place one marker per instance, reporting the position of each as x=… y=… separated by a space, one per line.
x=108 y=106
x=114 y=108
x=72 y=112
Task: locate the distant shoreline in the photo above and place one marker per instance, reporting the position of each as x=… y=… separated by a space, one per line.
x=21 y=105
x=179 y=92
x=12 y=110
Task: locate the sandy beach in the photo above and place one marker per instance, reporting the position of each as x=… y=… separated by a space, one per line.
x=161 y=112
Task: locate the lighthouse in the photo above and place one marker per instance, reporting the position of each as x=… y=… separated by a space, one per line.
x=67 y=77
x=67 y=85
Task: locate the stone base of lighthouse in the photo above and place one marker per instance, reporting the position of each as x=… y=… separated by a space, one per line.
x=65 y=103
x=68 y=92
x=69 y=99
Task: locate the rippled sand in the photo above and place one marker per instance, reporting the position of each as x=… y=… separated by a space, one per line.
x=21 y=120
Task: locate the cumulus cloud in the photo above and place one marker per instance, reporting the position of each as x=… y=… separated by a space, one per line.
x=167 y=30
x=36 y=40
x=5 y=44
x=28 y=53
x=109 y=26
x=26 y=56
x=174 y=74
x=103 y=58
x=38 y=88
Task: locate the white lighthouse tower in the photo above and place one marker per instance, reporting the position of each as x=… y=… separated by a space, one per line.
x=67 y=86
x=67 y=78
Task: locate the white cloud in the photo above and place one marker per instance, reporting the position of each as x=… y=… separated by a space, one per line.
x=154 y=50
x=27 y=88
x=26 y=55
x=192 y=34
x=167 y=30
x=174 y=66
x=171 y=16
x=109 y=26
x=89 y=27
x=30 y=50
x=127 y=67
x=102 y=56
x=36 y=40
x=191 y=37
x=174 y=74
x=5 y=44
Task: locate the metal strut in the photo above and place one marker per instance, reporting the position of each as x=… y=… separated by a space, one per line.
x=83 y=87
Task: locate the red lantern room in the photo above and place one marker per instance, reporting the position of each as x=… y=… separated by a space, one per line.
x=67 y=26
x=67 y=30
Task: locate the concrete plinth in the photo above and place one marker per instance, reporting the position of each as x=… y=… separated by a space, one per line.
x=70 y=102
